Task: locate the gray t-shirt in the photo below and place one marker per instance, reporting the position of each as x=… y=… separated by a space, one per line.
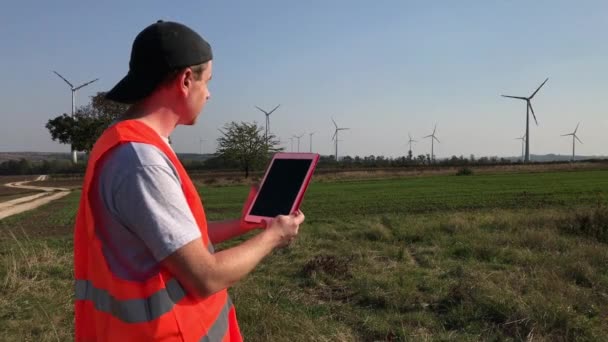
x=143 y=214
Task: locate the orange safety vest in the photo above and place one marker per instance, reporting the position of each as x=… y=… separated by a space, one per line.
x=109 y=308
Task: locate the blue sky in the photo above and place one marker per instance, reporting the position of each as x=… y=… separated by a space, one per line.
x=382 y=68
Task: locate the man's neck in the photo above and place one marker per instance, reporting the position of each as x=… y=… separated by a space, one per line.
x=159 y=117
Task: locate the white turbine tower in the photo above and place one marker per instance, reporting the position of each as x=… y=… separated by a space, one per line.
x=335 y=137
x=573 y=134
x=310 y=135
x=298 y=137
x=74 y=90
x=267 y=119
x=528 y=110
x=433 y=138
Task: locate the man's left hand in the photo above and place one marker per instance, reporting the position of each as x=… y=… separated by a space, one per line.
x=253 y=191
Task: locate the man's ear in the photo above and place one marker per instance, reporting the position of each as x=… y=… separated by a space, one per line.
x=185 y=81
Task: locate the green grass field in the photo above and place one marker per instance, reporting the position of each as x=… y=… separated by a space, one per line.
x=518 y=256
x=344 y=199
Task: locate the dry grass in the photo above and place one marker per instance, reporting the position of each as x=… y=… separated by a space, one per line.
x=485 y=275
x=36 y=288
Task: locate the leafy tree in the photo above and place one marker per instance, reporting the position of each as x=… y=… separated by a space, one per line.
x=245 y=144
x=82 y=130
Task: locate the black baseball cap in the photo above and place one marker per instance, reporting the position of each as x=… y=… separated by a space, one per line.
x=159 y=49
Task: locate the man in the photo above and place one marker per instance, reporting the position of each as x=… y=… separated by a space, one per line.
x=145 y=266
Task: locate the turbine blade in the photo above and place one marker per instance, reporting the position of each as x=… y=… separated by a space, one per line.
x=579 y=140
x=263 y=111
x=532 y=110
x=576 y=129
x=66 y=81
x=86 y=84
x=565 y=135
x=435 y=129
x=427 y=136
x=436 y=139
x=538 y=88
x=335 y=124
x=514 y=97
x=275 y=108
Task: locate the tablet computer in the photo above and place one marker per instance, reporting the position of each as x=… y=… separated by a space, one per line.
x=283 y=186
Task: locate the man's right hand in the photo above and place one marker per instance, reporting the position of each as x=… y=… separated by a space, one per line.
x=284 y=228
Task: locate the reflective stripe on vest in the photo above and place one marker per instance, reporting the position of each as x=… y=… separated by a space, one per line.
x=218 y=330
x=134 y=310
x=148 y=309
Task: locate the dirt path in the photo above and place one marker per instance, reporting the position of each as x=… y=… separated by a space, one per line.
x=30 y=202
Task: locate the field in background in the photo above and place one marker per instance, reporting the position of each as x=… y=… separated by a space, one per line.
x=490 y=256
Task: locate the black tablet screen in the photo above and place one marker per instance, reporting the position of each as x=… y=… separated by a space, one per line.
x=280 y=187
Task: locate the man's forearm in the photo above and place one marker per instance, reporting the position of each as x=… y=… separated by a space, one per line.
x=204 y=273
x=234 y=263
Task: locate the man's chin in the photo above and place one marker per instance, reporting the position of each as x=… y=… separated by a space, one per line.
x=192 y=122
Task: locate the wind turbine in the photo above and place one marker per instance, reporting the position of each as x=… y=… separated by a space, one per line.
x=291 y=139
x=410 y=142
x=310 y=134
x=74 y=90
x=573 y=134
x=267 y=119
x=523 y=142
x=528 y=110
x=433 y=138
x=335 y=137
x=298 y=137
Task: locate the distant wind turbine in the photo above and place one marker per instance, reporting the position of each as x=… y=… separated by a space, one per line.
x=267 y=119
x=310 y=134
x=74 y=90
x=335 y=137
x=298 y=137
x=410 y=142
x=528 y=110
x=433 y=138
x=573 y=134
